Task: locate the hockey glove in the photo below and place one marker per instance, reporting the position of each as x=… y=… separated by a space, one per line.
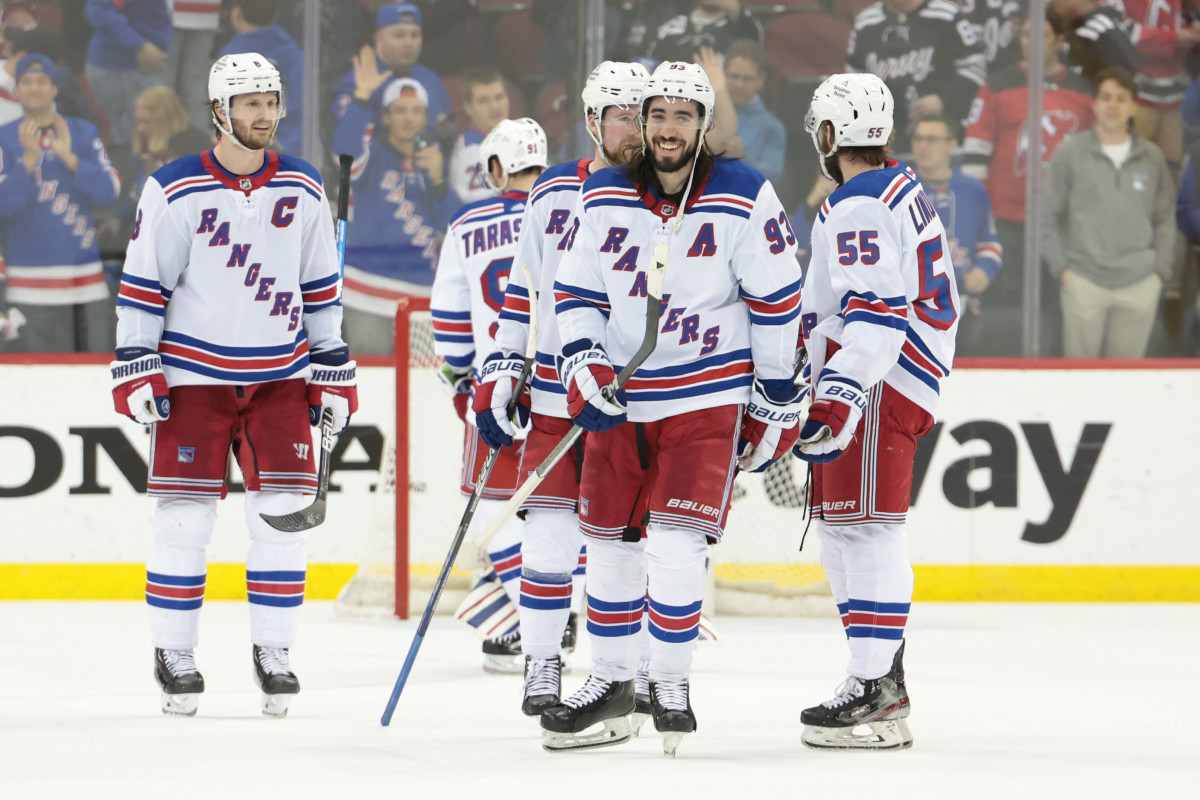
x=837 y=408
x=588 y=376
x=333 y=385
x=459 y=385
x=497 y=382
x=770 y=423
x=139 y=387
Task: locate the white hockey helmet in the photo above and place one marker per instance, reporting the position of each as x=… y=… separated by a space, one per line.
x=858 y=105
x=518 y=144
x=241 y=73
x=686 y=80
x=612 y=83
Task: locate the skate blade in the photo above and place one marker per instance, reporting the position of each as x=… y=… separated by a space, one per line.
x=180 y=705
x=671 y=740
x=276 y=705
x=614 y=731
x=504 y=665
x=890 y=734
x=637 y=720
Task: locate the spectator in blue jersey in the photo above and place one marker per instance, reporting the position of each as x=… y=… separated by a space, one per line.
x=256 y=32
x=394 y=54
x=762 y=134
x=485 y=99
x=53 y=170
x=402 y=204
x=126 y=55
x=965 y=209
x=193 y=37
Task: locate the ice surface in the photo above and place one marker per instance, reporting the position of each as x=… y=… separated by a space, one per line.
x=1009 y=701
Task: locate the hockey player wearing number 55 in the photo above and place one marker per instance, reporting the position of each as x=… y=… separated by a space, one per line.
x=879 y=316
x=229 y=336
x=717 y=393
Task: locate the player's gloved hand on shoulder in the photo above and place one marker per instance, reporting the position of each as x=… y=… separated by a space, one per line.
x=497 y=382
x=770 y=423
x=139 y=386
x=458 y=383
x=587 y=374
x=333 y=385
x=837 y=408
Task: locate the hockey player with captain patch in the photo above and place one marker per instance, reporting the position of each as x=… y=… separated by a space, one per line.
x=474 y=268
x=879 y=316
x=717 y=393
x=551 y=541
x=229 y=336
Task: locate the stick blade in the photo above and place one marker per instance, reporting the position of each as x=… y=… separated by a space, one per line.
x=302 y=520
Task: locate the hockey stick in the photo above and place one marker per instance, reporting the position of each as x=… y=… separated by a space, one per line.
x=469 y=514
x=314 y=515
x=654 y=290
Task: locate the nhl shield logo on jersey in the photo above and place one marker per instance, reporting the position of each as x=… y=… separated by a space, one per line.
x=668 y=209
x=187 y=455
x=245 y=184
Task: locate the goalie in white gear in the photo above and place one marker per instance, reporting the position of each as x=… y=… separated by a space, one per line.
x=474 y=267
x=878 y=316
x=552 y=547
x=229 y=337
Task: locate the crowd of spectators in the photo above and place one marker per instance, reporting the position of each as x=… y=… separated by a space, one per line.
x=97 y=94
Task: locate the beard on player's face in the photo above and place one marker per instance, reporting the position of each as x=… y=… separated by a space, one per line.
x=671 y=153
x=256 y=134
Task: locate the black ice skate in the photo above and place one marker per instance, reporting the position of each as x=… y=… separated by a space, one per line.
x=275 y=678
x=502 y=655
x=180 y=681
x=598 y=702
x=569 y=634
x=543 y=685
x=672 y=709
x=642 y=709
x=863 y=715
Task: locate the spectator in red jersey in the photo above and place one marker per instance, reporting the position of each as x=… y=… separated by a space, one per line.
x=996 y=147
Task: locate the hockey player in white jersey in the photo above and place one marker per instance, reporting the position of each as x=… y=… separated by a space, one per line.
x=551 y=541
x=879 y=316
x=229 y=336
x=716 y=394
x=475 y=266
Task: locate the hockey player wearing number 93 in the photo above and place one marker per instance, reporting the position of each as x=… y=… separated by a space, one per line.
x=717 y=392
x=229 y=336
x=879 y=316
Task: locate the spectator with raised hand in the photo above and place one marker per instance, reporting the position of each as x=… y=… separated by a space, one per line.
x=127 y=54
x=257 y=32
x=723 y=138
x=53 y=170
x=395 y=53
x=762 y=135
x=1108 y=228
x=402 y=204
x=485 y=99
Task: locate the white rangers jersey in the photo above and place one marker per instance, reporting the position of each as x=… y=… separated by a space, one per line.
x=731 y=299
x=472 y=274
x=232 y=279
x=880 y=302
x=549 y=226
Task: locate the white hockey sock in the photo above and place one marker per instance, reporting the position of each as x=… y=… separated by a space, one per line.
x=879 y=581
x=504 y=550
x=176 y=571
x=276 y=569
x=675 y=569
x=833 y=547
x=616 y=591
x=549 y=553
x=579 y=583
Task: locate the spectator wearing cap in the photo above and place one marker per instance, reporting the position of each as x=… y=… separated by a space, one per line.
x=485 y=99
x=394 y=54
x=402 y=204
x=126 y=55
x=54 y=170
x=762 y=135
x=254 y=22
x=21 y=42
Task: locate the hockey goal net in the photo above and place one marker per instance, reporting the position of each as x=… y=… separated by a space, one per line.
x=757 y=569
